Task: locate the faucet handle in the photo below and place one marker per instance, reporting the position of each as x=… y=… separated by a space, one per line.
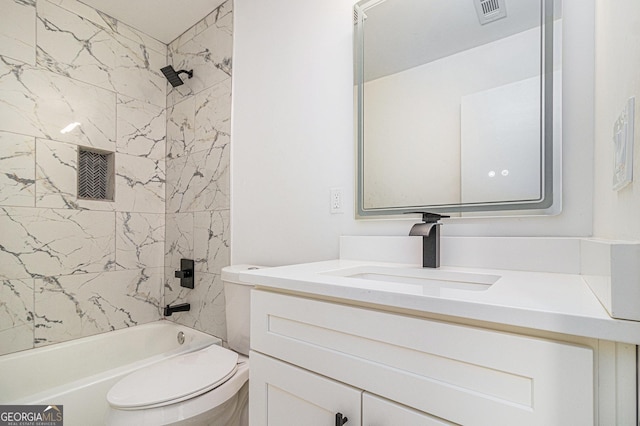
x=429 y=217
x=186 y=273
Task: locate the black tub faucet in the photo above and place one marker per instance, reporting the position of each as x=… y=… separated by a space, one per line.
x=181 y=307
x=429 y=230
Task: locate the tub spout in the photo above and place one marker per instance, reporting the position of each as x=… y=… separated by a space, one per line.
x=182 y=307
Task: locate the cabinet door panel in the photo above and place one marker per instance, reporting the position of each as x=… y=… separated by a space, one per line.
x=378 y=411
x=281 y=394
x=436 y=367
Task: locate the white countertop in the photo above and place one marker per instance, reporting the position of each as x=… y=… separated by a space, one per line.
x=555 y=302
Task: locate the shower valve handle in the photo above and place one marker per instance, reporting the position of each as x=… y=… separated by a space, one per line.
x=184 y=274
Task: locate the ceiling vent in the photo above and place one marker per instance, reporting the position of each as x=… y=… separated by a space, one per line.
x=356 y=12
x=490 y=10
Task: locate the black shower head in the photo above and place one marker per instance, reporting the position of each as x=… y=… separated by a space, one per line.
x=174 y=76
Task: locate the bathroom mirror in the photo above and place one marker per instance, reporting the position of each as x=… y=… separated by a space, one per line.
x=458 y=105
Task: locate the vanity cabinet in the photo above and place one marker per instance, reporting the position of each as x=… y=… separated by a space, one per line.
x=288 y=395
x=378 y=411
x=312 y=359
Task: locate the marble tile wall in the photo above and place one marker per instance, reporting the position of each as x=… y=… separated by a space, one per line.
x=69 y=267
x=197 y=187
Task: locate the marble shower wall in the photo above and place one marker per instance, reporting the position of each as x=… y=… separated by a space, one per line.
x=197 y=205
x=69 y=267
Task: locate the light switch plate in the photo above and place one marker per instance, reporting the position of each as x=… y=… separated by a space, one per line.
x=623 y=146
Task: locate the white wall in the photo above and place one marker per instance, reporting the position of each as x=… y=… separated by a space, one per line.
x=616 y=214
x=293 y=134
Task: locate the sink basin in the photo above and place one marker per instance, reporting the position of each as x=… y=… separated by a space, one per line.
x=425 y=281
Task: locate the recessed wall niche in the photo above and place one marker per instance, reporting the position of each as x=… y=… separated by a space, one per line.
x=95 y=174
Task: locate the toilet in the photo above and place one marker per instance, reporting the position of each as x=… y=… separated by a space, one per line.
x=206 y=387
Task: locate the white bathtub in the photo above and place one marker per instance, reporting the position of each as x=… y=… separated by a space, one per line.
x=79 y=373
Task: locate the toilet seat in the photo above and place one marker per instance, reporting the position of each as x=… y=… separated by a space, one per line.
x=174 y=380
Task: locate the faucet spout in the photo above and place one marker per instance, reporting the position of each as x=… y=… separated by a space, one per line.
x=181 y=307
x=422 y=229
x=429 y=230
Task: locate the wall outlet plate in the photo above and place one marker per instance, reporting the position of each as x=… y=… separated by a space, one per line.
x=337 y=199
x=623 y=146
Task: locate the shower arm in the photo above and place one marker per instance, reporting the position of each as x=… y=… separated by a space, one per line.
x=189 y=73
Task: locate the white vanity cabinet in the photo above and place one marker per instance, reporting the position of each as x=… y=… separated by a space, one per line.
x=378 y=411
x=290 y=395
x=287 y=395
x=312 y=359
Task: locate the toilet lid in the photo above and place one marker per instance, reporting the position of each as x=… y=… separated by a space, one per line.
x=175 y=379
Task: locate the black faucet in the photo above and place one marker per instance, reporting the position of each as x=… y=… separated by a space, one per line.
x=182 y=307
x=429 y=230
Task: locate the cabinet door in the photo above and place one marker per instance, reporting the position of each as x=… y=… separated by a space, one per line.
x=467 y=375
x=378 y=411
x=281 y=394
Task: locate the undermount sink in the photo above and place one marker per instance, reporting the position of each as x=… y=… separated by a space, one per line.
x=429 y=281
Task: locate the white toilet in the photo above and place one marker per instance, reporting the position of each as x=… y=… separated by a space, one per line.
x=207 y=387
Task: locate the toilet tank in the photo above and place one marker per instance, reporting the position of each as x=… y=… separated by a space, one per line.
x=237 y=307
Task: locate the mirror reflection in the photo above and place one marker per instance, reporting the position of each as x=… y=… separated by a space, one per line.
x=455 y=105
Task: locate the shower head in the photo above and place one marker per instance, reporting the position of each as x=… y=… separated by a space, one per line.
x=174 y=76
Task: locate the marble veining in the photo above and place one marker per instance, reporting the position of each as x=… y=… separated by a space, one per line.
x=103 y=20
x=76 y=47
x=200 y=122
x=70 y=267
x=211 y=240
x=17 y=33
x=73 y=306
x=179 y=240
x=17 y=175
x=198 y=144
x=56 y=174
x=207 y=304
x=208 y=53
x=41 y=103
x=59 y=316
x=73 y=267
x=216 y=15
x=220 y=16
x=199 y=182
x=125 y=299
x=104 y=205
x=139 y=240
x=140 y=184
x=16 y=315
x=181 y=128
x=141 y=128
x=213 y=116
x=38 y=242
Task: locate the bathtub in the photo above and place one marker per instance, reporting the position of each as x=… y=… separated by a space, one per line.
x=79 y=373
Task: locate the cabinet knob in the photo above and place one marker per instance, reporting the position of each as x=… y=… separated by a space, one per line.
x=340 y=419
